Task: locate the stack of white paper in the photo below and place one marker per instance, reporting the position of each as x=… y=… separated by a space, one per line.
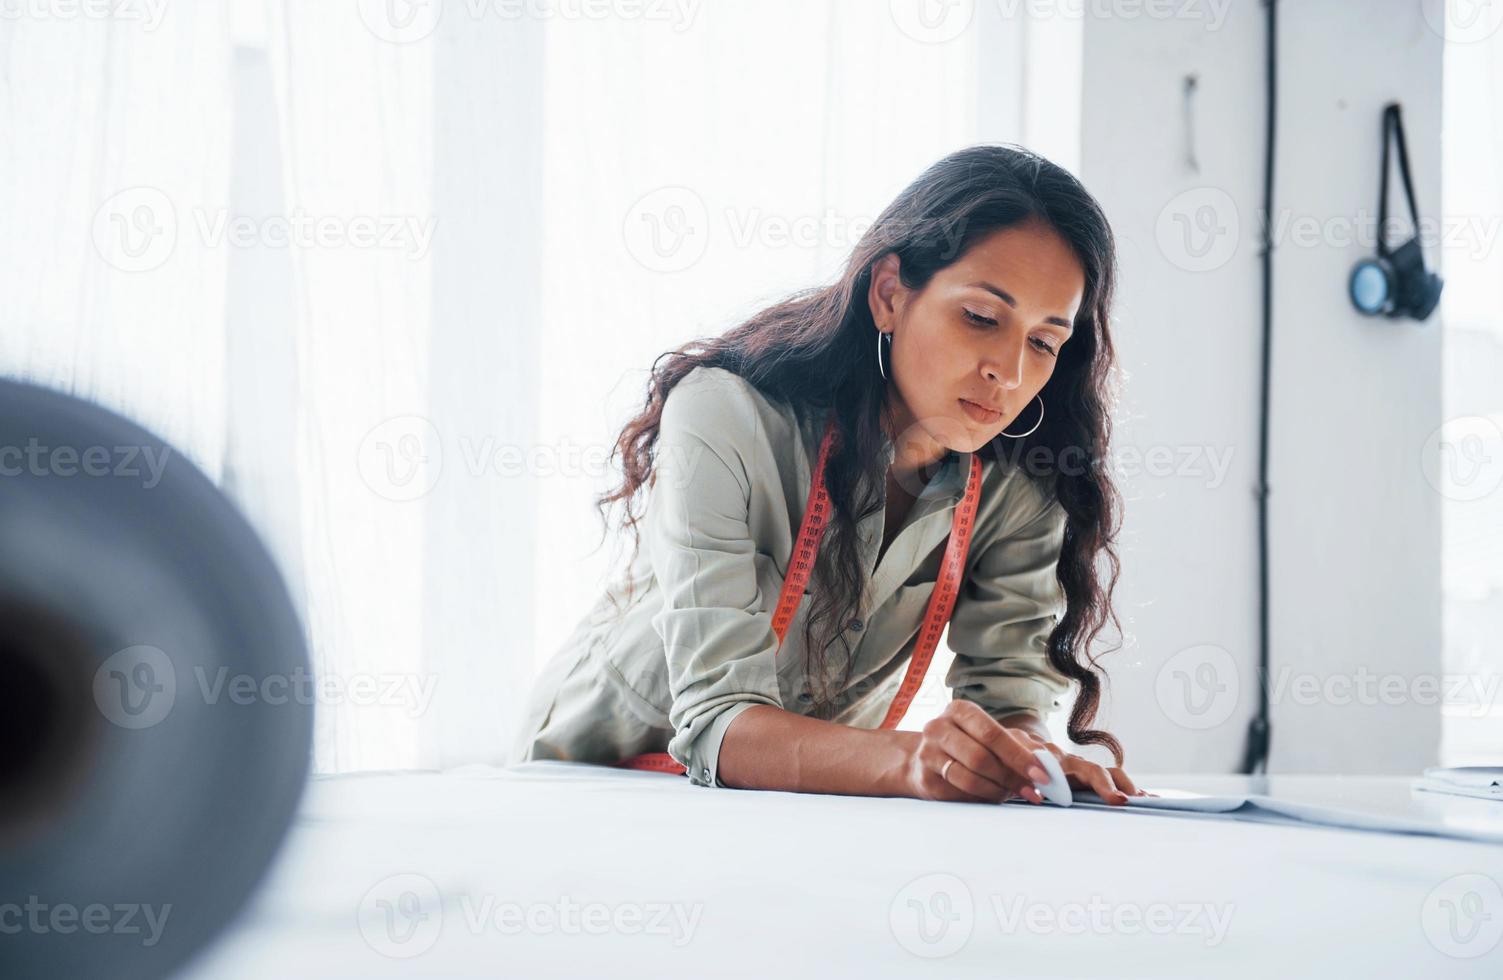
x=1258 y=807
x=1483 y=782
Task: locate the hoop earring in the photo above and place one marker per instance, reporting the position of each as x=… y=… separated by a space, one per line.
x=880 y=335
x=1035 y=425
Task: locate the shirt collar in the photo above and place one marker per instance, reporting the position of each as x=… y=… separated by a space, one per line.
x=947 y=481
x=950 y=479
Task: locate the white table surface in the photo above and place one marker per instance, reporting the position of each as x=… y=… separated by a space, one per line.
x=554 y=869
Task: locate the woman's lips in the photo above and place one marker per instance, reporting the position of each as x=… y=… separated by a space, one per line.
x=983 y=415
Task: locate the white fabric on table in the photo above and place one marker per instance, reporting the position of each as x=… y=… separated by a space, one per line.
x=812 y=885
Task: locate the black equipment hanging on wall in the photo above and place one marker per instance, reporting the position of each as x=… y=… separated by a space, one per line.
x=1395 y=282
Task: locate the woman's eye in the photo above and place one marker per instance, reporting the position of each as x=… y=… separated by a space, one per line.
x=988 y=321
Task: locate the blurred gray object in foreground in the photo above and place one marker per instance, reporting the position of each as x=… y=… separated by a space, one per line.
x=153 y=739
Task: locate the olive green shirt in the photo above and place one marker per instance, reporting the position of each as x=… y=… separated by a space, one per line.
x=695 y=645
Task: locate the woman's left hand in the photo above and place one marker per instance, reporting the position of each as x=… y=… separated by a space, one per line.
x=1111 y=784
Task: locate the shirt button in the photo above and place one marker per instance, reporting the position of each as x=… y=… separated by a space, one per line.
x=706 y=774
x=857 y=625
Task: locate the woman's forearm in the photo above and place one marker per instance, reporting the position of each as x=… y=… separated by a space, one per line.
x=770 y=748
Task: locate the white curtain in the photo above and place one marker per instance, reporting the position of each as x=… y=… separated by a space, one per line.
x=423 y=256
x=116 y=137
x=1464 y=460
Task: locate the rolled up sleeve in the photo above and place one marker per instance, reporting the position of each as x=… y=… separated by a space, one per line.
x=719 y=643
x=1008 y=606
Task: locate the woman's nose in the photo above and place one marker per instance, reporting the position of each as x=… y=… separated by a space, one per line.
x=1007 y=371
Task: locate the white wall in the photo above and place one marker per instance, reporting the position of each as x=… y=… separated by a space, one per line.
x=1358 y=494
x=1354 y=527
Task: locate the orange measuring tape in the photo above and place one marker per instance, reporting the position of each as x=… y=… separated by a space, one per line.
x=936 y=615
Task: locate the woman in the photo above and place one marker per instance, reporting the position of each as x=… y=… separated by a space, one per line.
x=921 y=377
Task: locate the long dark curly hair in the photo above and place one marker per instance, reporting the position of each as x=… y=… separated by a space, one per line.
x=813 y=351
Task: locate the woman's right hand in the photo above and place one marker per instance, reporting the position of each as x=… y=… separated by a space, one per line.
x=992 y=763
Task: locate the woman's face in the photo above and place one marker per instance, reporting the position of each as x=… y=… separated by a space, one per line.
x=986 y=330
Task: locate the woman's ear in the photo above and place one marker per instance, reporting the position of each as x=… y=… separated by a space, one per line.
x=885 y=293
